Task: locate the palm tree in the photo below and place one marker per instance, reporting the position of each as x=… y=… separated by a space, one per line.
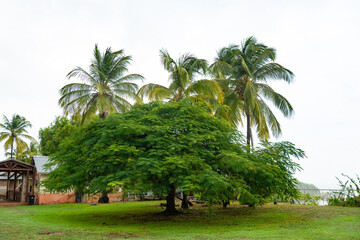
x=27 y=154
x=243 y=73
x=106 y=86
x=182 y=81
x=13 y=132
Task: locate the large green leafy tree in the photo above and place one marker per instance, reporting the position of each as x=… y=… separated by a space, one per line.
x=170 y=147
x=183 y=83
x=13 y=132
x=182 y=76
x=51 y=136
x=106 y=88
x=243 y=72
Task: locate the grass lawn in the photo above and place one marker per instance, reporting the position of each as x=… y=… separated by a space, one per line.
x=140 y=220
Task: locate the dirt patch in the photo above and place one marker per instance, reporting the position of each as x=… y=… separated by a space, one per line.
x=122 y=235
x=49 y=233
x=6 y=203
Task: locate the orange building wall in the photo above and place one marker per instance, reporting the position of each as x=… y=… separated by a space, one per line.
x=54 y=198
x=42 y=197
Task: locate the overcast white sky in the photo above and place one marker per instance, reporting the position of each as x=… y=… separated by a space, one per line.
x=41 y=41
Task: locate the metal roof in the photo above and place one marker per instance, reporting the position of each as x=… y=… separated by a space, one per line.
x=39 y=162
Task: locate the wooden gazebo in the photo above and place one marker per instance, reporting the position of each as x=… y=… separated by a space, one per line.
x=17 y=179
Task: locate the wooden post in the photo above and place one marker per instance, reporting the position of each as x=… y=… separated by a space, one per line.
x=33 y=182
x=27 y=185
x=8 y=186
x=14 y=185
x=23 y=188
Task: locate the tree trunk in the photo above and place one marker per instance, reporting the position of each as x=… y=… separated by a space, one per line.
x=12 y=148
x=225 y=202
x=103 y=114
x=104 y=198
x=179 y=97
x=78 y=197
x=170 y=202
x=249 y=139
x=184 y=203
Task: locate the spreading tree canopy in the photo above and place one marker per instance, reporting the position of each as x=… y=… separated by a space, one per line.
x=51 y=136
x=169 y=147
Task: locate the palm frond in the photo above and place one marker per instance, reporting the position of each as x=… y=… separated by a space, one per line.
x=208 y=88
x=168 y=63
x=8 y=143
x=274 y=71
x=128 y=78
x=277 y=99
x=154 y=92
x=271 y=120
x=81 y=74
x=221 y=69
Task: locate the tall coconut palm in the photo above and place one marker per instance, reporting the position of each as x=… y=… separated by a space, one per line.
x=182 y=81
x=13 y=132
x=243 y=72
x=106 y=88
x=27 y=154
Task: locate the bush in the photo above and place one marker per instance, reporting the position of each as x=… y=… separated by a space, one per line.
x=349 y=195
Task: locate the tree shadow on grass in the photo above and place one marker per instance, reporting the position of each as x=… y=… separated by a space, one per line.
x=197 y=216
x=101 y=216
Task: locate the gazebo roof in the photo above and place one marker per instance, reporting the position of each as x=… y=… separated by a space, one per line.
x=11 y=165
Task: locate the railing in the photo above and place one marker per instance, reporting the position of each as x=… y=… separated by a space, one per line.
x=323 y=194
x=11 y=195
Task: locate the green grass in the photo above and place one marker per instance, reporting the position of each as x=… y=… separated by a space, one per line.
x=141 y=220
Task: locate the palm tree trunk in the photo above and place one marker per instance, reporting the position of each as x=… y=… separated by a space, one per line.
x=179 y=97
x=12 y=148
x=102 y=115
x=249 y=139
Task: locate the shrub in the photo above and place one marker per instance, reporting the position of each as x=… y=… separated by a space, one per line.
x=349 y=195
